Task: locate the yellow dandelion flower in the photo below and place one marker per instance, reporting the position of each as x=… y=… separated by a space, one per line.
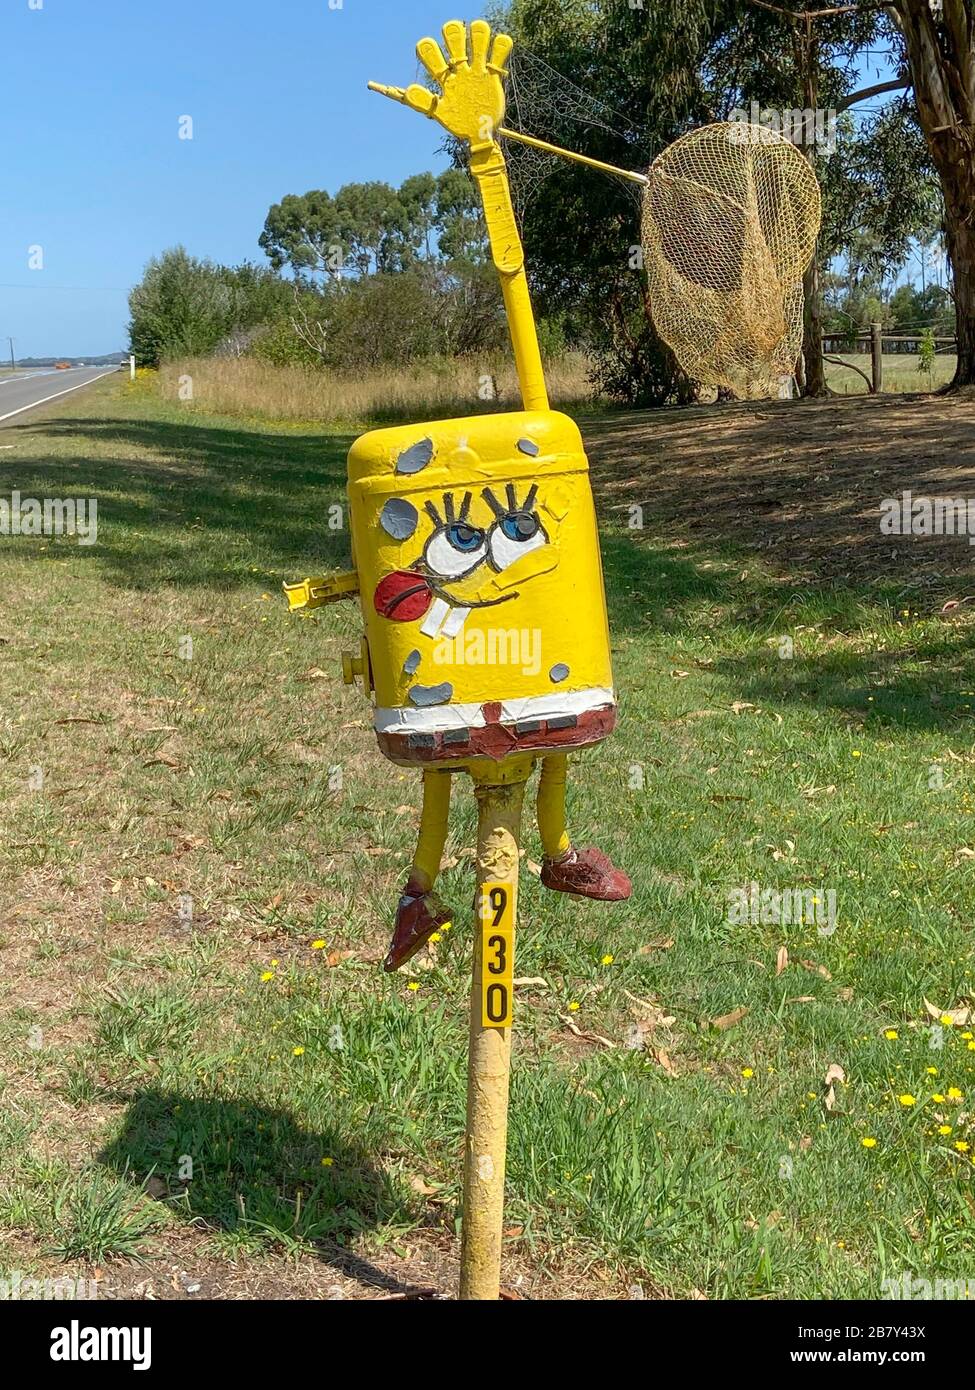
x=938 y=1098
x=954 y=1093
x=573 y=1007
x=891 y=1035
x=907 y=1100
x=275 y=963
x=869 y=1143
x=961 y=1146
x=856 y=753
x=747 y=1073
x=435 y=936
x=327 y=1162
x=967 y=1036
x=932 y=1071
x=297 y=1051
x=947 y=1020
x=318 y=945
x=414 y=985
x=944 y=1129
x=607 y=960
x=267 y=975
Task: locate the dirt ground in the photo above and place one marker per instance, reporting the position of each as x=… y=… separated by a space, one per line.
x=802 y=482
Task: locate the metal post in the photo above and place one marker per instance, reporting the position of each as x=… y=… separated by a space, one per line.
x=489 y=1061
x=876 y=358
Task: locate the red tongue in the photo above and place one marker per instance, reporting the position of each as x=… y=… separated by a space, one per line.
x=402 y=596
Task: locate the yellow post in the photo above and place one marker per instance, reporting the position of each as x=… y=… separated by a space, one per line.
x=499 y=804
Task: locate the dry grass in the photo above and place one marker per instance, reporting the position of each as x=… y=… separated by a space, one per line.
x=439 y=388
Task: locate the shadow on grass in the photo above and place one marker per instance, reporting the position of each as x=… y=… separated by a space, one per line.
x=193 y=505
x=257 y=1179
x=196 y=505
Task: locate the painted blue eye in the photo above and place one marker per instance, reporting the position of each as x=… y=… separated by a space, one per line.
x=519 y=526
x=464 y=538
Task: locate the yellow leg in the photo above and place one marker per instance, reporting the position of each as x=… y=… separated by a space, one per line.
x=550 y=806
x=433 y=830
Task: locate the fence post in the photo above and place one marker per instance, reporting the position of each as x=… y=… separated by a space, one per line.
x=876 y=358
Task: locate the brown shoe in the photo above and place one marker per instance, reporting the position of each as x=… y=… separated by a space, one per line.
x=418 y=916
x=588 y=872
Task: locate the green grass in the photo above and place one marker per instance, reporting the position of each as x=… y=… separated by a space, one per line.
x=900 y=372
x=156 y=1090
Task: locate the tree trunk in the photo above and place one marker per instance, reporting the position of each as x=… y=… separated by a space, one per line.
x=814 y=368
x=959 y=191
x=814 y=383
x=942 y=59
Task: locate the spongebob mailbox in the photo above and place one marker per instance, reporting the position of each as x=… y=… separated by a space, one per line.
x=477 y=559
x=486 y=645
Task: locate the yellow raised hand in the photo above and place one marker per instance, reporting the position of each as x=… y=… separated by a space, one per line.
x=470 y=103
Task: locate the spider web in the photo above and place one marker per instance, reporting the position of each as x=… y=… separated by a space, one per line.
x=544 y=103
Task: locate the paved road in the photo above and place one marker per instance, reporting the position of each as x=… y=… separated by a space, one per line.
x=22 y=392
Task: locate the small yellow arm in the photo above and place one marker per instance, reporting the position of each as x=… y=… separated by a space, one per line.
x=314 y=593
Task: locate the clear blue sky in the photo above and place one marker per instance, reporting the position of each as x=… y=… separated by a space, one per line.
x=93 y=170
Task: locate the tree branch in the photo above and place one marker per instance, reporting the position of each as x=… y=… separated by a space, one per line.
x=898 y=84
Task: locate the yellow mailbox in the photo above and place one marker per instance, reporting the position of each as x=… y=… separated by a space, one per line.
x=481 y=588
x=477 y=560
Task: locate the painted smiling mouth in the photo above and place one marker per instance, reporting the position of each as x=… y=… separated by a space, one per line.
x=405 y=595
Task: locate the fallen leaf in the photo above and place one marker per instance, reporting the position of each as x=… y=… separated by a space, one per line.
x=664 y=944
x=959 y=1017
x=663 y=1059
x=816 y=969
x=781 y=960
x=421 y=1186
x=729 y=1020
x=588 y=1037
x=337 y=957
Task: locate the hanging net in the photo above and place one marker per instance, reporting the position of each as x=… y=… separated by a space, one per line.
x=731 y=213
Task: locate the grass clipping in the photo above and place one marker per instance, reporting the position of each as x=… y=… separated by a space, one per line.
x=730 y=219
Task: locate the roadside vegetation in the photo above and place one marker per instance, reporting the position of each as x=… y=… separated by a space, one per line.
x=197 y=897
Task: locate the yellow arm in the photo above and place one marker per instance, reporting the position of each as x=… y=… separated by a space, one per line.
x=313 y=593
x=471 y=106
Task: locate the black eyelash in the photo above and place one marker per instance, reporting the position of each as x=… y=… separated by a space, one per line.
x=512 y=497
x=449 y=516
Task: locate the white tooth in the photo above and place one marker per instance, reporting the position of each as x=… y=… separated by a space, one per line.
x=431 y=623
x=455 y=623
